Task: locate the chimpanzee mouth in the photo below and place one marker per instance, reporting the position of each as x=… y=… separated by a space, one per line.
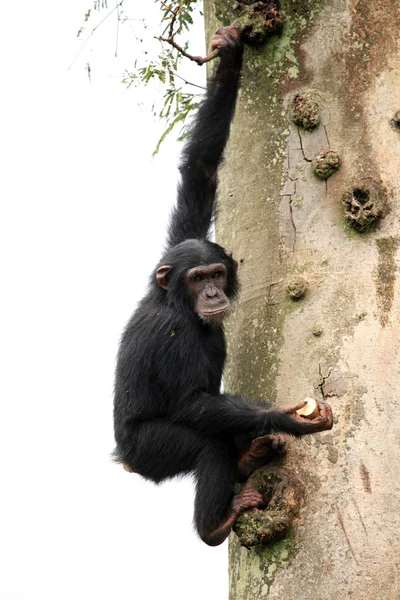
x=214 y=313
x=215 y=317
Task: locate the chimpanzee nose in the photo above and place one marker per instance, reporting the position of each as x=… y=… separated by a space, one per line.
x=211 y=291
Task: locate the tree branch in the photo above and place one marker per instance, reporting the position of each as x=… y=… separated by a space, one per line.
x=171 y=39
x=197 y=59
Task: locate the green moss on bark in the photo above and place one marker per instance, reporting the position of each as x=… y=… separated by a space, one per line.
x=386 y=276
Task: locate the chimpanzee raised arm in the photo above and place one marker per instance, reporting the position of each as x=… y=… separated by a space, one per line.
x=170 y=417
x=208 y=136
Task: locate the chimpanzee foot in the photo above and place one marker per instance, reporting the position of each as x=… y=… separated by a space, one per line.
x=246 y=498
x=259 y=453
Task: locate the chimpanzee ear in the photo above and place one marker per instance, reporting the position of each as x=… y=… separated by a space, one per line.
x=162 y=276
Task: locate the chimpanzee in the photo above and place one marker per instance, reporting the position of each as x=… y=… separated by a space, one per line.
x=170 y=417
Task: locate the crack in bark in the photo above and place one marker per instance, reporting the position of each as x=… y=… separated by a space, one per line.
x=346 y=535
x=326 y=135
x=290 y=196
x=292 y=221
x=269 y=302
x=361 y=519
x=321 y=384
x=301 y=147
x=329 y=146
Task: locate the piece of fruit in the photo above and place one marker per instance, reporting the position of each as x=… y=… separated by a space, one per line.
x=309 y=410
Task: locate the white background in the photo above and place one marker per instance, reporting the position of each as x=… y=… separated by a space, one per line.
x=83 y=216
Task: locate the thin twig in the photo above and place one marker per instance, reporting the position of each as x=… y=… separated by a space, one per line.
x=201 y=87
x=120 y=3
x=171 y=38
x=117 y=33
x=197 y=59
x=175 y=14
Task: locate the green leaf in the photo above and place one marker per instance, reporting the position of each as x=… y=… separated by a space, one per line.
x=167 y=131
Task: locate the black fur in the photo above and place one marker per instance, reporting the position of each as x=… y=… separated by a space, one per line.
x=170 y=417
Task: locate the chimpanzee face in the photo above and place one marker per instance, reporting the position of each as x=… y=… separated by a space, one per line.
x=200 y=276
x=207 y=284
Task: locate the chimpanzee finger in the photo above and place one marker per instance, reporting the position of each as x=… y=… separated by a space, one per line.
x=328 y=414
x=275 y=443
x=325 y=419
x=291 y=409
x=225 y=37
x=233 y=31
x=279 y=443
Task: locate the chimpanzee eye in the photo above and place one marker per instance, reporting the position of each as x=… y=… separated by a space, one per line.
x=197 y=278
x=217 y=275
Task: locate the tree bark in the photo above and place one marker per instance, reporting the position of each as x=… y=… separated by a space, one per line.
x=340 y=342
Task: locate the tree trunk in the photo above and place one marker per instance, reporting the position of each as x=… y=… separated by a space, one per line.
x=340 y=341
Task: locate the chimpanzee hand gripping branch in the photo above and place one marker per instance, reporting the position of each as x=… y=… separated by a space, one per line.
x=170 y=417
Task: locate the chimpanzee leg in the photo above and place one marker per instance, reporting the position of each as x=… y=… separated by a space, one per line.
x=216 y=506
x=216 y=476
x=160 y=449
